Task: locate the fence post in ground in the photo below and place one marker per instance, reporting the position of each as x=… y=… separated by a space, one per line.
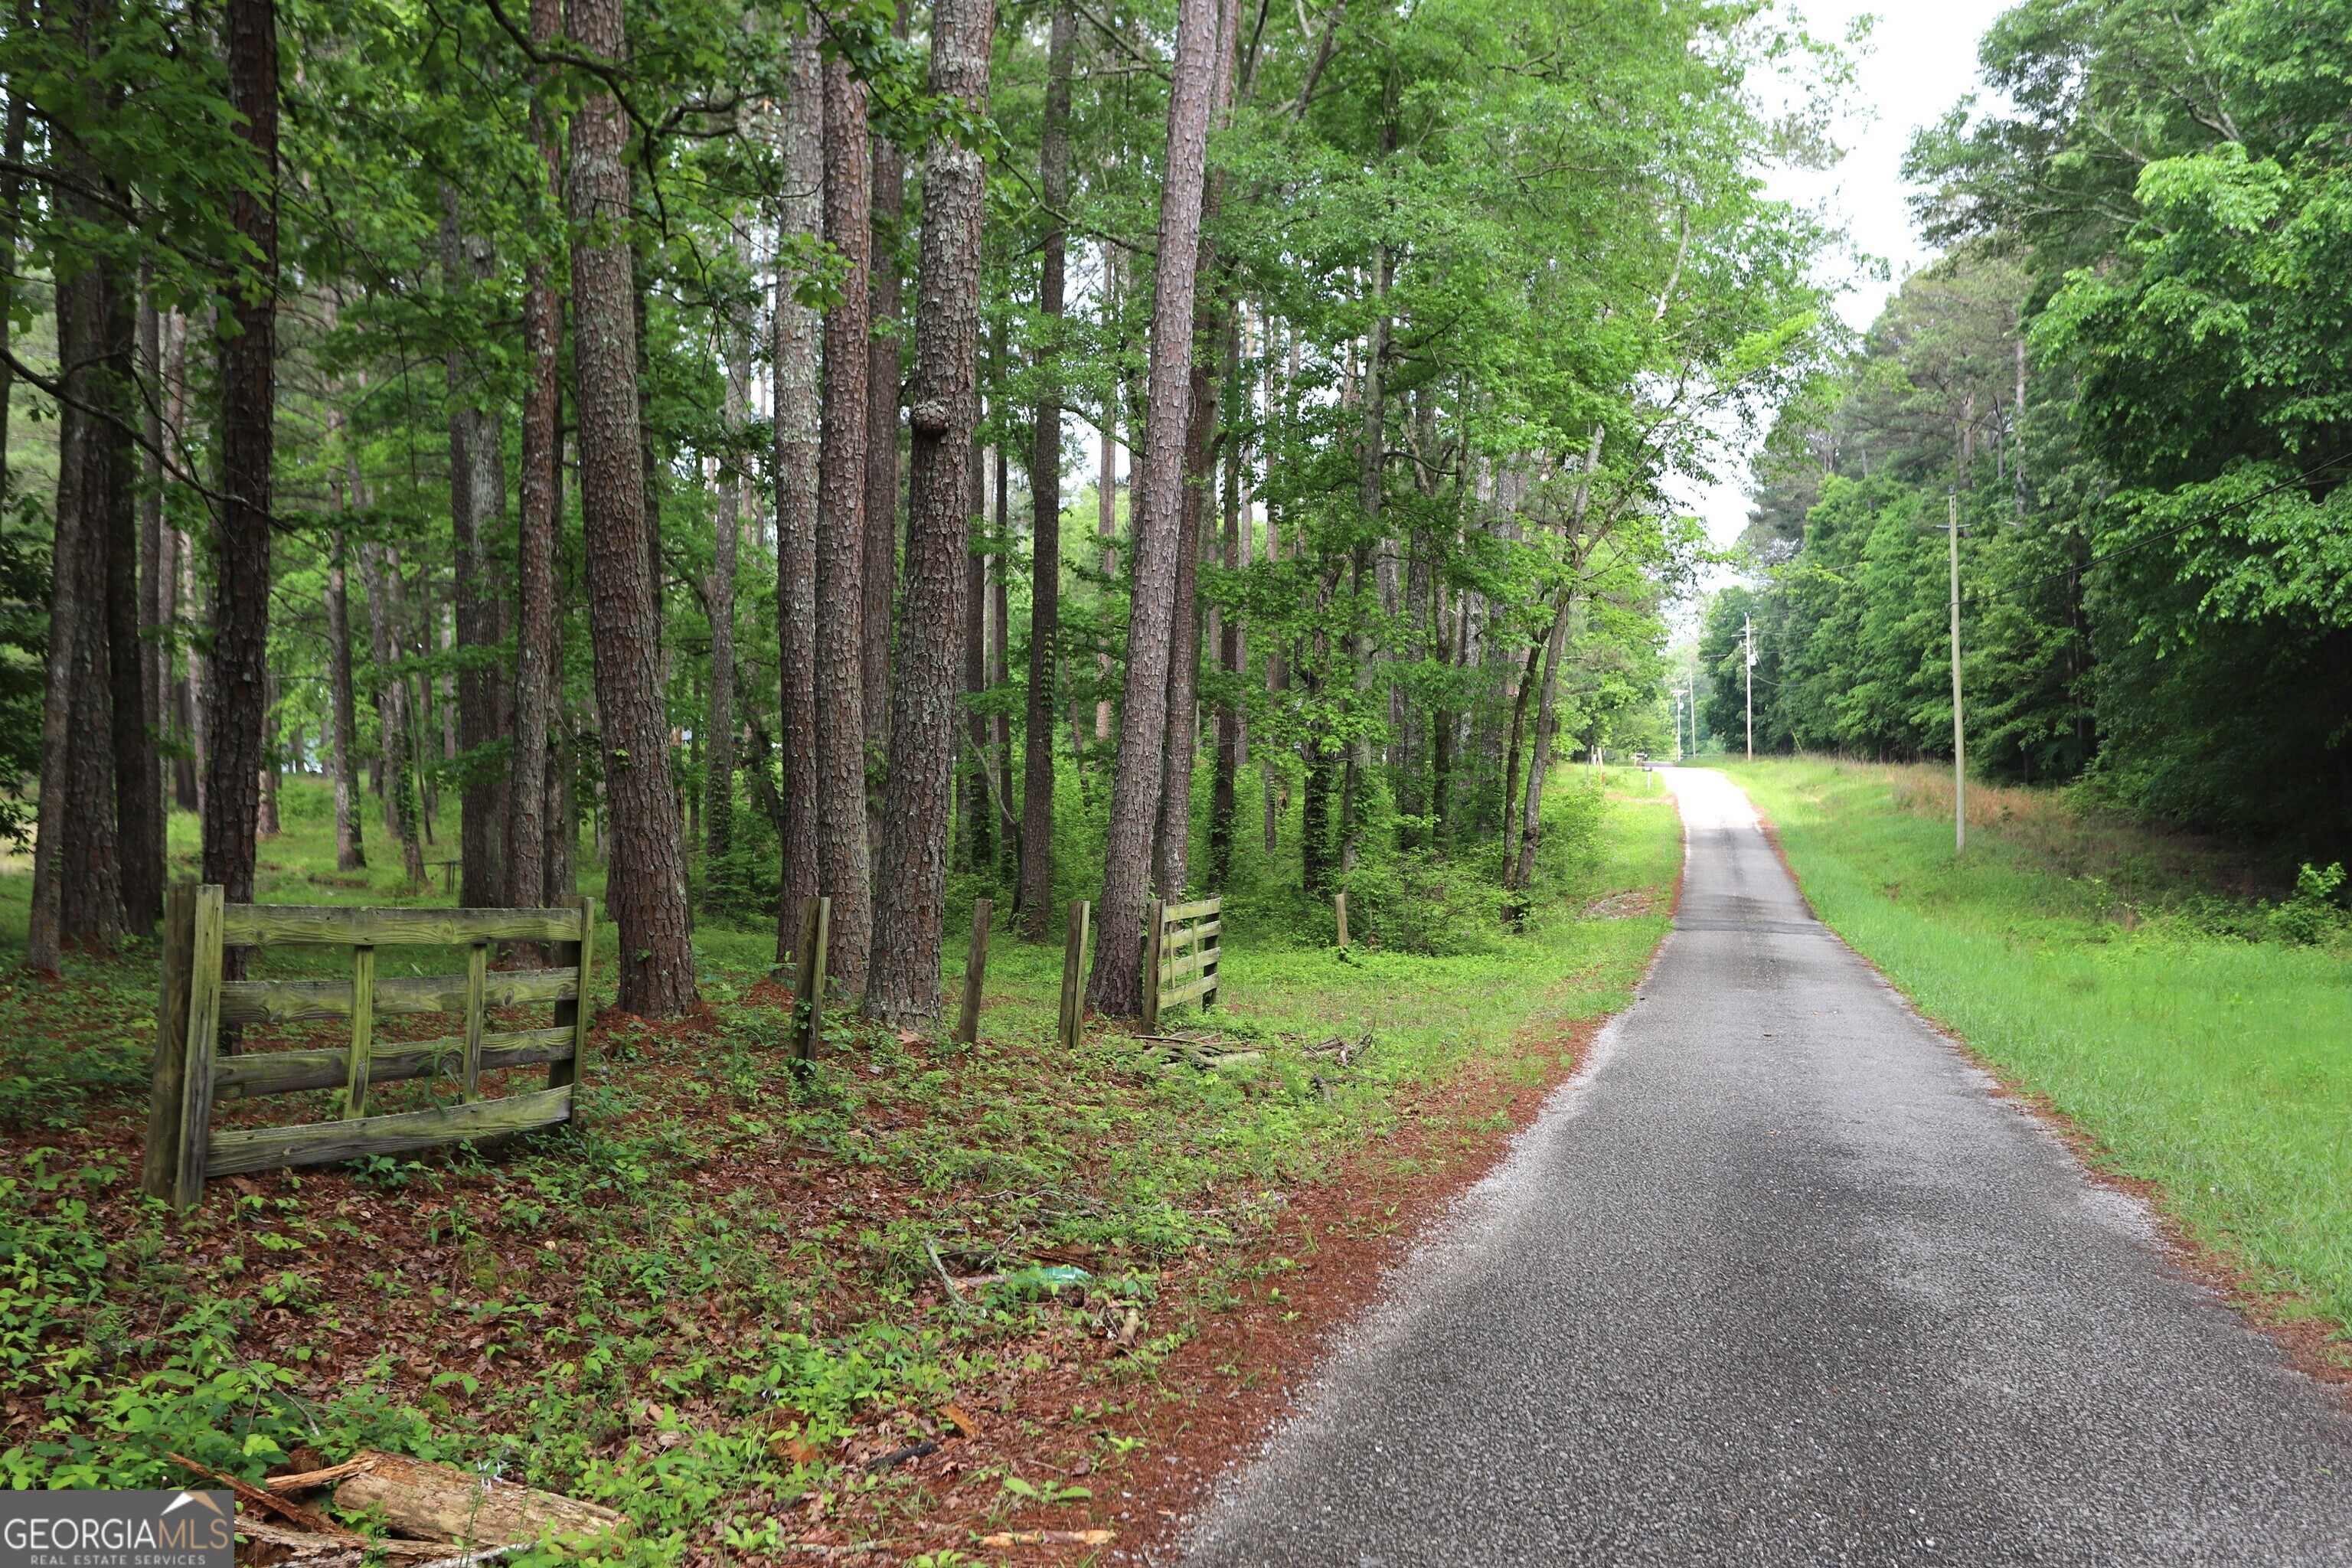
x=1339 y=906
x=1074 y=950
x=574 y=1013
x=808 y=981
x=204 y=1028
x=975 y=972
x=159 y=1164
x=1152 y=965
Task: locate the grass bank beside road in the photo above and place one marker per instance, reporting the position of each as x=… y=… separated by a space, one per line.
x=2128 y=975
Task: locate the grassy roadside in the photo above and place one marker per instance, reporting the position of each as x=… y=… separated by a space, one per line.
x=2121 y=973
x=718 y=1304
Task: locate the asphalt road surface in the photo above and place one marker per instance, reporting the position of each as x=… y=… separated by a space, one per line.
x=1780 y=1280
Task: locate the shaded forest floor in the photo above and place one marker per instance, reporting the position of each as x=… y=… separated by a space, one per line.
x=722 y=1303
x=2182 y=1012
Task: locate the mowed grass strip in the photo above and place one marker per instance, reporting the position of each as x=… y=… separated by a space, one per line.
x=2094 y=964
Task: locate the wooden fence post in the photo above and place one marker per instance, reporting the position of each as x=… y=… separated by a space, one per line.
x=1074 y=948
x=574 y=1013
x=1152 y=965
x=1339 y=903
x=203 y=1029
x=975 y=972
x=159 y=1164
x=808 y=980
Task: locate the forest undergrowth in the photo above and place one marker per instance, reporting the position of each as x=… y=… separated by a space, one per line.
x=2182 y=1004
x=915 y=1295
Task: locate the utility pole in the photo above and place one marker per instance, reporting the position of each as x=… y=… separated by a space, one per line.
x=1959 y=730
x=1747 y=643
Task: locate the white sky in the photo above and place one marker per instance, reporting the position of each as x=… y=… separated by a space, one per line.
x=1920 y=60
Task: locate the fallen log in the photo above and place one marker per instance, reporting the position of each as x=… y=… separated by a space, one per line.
x=445 y=1503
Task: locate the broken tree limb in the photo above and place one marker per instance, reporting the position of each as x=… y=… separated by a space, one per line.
x=453 y=1505
x=293 y=1513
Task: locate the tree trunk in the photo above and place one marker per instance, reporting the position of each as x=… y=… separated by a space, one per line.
x=155 y=593
x=976 y=814
x=1046 y=494
x=800 y=209
x=247 y=440
x=1232 y=741
x=883 y=375
x=1000 y=674
x=391 y=702
x=476 y=503
x=12 y=210
x=1209 y=318
x=944 y=401
x=530 y=820
x=1114 y=986
x=1511 y=767
x=350 y=854
x=265 y=824
x=77 y=876
x=718 y=733
x=1539 y=755
x=138 y=778
x=647 y=874
x=843 y=863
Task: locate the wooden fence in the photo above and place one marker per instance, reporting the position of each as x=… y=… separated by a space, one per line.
x=183 y=1149
x=1180 y=956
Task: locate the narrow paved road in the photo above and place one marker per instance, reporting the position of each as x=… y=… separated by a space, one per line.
x=1779 y=1281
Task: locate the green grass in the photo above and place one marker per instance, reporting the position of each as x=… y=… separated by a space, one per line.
x=2115 y=970
x=731 y=1251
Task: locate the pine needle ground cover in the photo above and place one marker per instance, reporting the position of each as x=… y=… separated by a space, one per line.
x=2200 y=1036
x=914 y=1296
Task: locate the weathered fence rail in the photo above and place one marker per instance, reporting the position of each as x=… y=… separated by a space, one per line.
x=184 y=1150
x=1180 y=956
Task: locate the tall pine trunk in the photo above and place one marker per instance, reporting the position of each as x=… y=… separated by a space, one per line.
x=477 y=502
x=350 y=853
x=1114 y=986
x=394 y=729
x=76 y=872
x=646 y=873
x=1045 y=493
x=844 y=865
x=799 y=458
x=1175 y=829
x=883 y=375
x=975 y=815
x=529 y=819
x=944 y=404
x=719 y=732
x=248 y=440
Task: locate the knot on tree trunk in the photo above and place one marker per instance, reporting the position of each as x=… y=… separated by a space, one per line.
x=929 y=416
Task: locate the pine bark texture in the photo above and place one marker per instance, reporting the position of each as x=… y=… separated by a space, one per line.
x=883 y=375
x=944 y=399
x=798 y=460
x=1037 y=898
x=1209 y=316
x=529 y=817
x=342 y=720
x=647 y=874
x=247 y=440
x=843 y=864
x=718 y=733
x=476 y=500
x=1156 y=500
x=76 y=870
